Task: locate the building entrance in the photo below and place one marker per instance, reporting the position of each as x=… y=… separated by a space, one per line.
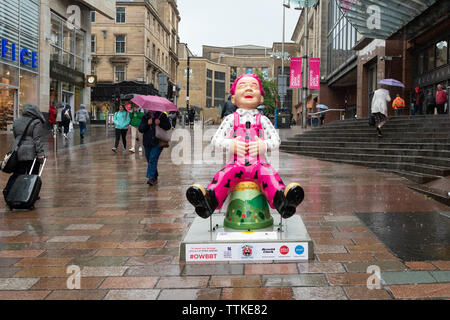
x=371 y=85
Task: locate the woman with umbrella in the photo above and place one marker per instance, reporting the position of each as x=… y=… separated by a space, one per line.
x=379 y=107
x=153 y=117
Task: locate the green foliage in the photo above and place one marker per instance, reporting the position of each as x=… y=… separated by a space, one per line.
x=271 y=93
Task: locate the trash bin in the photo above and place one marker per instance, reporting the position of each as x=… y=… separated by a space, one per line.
x=315 y=122
x=283 y=120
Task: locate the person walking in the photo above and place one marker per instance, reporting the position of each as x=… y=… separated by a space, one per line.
x=153 y=150
x=121 y=122
x=59 y=106
x=52 y=118
x=228 y=108
x=191 y=115
x=429 y=102
x=398 y=105
x=66 y=119
x=441 y=100
x=379 y=108
x=82 y=116
x=136 y=117
x=30 y=126
x=417 y=101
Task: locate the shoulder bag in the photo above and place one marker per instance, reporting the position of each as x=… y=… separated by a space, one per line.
x=10 y=160
x=163 y=135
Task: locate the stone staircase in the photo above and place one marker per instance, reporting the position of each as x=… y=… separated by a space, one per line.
x=415 y=147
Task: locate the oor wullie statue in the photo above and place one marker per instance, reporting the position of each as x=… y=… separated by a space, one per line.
x=247 y=135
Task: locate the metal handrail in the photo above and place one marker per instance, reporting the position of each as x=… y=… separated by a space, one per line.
x=317 y=114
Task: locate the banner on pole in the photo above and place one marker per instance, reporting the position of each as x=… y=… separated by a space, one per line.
x=314 y=73
x=296 y=73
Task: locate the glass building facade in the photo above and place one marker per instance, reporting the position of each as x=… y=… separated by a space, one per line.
x=342 y=37
x=19 y=57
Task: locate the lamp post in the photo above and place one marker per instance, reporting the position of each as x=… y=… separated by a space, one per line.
x=187 y=86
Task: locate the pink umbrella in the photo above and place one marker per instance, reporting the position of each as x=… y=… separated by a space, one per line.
x=154 y=103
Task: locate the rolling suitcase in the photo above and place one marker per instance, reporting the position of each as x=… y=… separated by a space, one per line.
x=25 y=190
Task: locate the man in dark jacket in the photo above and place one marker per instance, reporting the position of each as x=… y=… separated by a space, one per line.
x=228 y=108
x=153 y=150
x=417 y=101
x=31 y=146
x=66 y=119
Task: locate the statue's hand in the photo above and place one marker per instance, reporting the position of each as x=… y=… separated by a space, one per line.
x=238 y=147
x=257 y=147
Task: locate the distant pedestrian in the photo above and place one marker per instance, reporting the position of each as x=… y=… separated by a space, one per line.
x=121 y=122
x=430 y=102
x=417 y=98
x=379 y=108
x=66 y=119
x=152 y=146
x=136 y=117
x=228 y=108
x=59 y=107
x=441 y=100
x=191 y=115
x=52 y=118
x=82 y=117
x=398 y=105
x=31 y=146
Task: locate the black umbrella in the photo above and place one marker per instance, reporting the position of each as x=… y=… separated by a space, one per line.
x=59 y=105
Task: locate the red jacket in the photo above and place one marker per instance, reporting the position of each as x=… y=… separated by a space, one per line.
x=441 y=97
x=52 y=114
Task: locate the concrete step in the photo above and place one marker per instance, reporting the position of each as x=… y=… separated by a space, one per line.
x=337 y=134
x=418 y=178
x=377 y=144
x=375 y=138
x=386 y=162
x=436 y=194
x=444 y=154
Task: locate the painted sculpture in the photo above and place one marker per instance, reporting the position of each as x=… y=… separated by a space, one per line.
x=247 y=135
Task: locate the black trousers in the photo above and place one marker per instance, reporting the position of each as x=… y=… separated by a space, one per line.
x=23 y=167
x=121 y=133
x=440 y=108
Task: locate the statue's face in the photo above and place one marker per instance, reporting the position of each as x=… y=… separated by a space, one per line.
x=248 y=95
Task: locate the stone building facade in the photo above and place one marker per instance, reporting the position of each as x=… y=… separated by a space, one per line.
x=139 y=45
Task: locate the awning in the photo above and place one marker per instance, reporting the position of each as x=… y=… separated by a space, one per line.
x=380 y=19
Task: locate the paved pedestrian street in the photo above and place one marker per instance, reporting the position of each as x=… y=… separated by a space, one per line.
x=97 y=212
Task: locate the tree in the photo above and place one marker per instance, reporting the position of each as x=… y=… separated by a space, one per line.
x=271 y=94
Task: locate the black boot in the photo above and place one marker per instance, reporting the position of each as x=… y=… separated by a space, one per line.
x=287 y=200
x=204 y=201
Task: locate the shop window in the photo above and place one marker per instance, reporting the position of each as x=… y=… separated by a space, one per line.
x=79 y=44
x=68 y=40
x=120 y=15
x=56 y=36
x=28 y=85
x=120 y=44
x=441 y=53
x=9 y=75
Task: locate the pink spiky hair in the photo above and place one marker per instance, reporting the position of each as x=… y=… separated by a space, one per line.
x=252 y=75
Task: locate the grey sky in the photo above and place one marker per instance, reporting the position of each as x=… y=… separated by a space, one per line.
x=234 y=22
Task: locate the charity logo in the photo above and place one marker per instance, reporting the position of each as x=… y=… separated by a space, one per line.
x=247 y=251
x=284 y=250
x=299 y=250
x=227 y=254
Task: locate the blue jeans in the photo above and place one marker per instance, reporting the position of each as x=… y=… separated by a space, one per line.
x=82 y=128
x=152 y=154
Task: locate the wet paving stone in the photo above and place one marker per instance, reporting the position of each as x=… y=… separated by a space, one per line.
x=132 y=295
x=6 y=262
x=183 y=282
x=319 y=293
x=418 y=265
x=441 y=276
x=115 y=271
x=271 y=268
x=421 y=291
x=99 y=261
x=213 y=269
x=129 y=283
x=363 y=293
x=301 y=280
x=7 y=272
x=412 y=277
x=154 y=270
x=77 y=295
x=61 y=283
x=235 y=281
x=189 y=294
x=17 y=284
x=383 y=265
x=256 y=294
x=24 y=295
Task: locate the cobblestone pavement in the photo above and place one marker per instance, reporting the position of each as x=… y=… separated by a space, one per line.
x=97 y=212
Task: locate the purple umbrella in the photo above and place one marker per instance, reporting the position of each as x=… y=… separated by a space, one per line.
x=392 y=83
x=154 y=103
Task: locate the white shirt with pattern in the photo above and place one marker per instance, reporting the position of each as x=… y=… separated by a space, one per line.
x=222 y=137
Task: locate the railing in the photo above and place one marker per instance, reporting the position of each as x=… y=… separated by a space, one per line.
x=318 y=114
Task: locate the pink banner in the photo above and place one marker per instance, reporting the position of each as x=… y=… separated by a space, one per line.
x=296 y=73
x=314 y=73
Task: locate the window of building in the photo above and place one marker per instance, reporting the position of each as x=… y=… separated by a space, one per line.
x=158 y=57
x=148 y=48
x=92 y=16
x=233 y=74
x=265 y=72
x=119 y=73
x=431 y=58
x=120 y=44
x=120 y=15
x=420 y=61
x=248 y=70
x=92 y=43
x=209 y=88
x=219 y=89
x=153 y=53
x=441 y=53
